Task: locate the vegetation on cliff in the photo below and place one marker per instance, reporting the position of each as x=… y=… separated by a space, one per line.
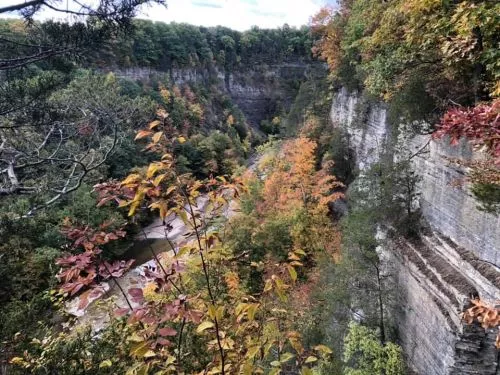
x=435 y=63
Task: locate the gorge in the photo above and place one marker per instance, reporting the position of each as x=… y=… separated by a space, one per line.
x=301 y=200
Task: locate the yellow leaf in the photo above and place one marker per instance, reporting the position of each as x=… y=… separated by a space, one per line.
x=135 y=338
x=105 y=364
x=311 y=359
x=268 y=286
x=17 y=360
x=153 y=168
x=204 y=326
x=181 y=139
x=292 y=272
x=300 y=252
x=252 y=309
x=139 y=349
x=323 y=349
x=154 y=124
x=212 y=311
x=183 y=251
x=166 y=157
x=133 y=178
x=170 y=189
x=157 y=136
x=286 y=357
x=219 y=313
x=251 y=353
x=159 y=179
x=133 y=208
x=306 y=371
x=240 y=308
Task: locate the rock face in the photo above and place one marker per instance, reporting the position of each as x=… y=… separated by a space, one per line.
x=437 y=276
x=259 y=92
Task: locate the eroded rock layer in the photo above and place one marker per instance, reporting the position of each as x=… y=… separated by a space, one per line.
x=457 y=259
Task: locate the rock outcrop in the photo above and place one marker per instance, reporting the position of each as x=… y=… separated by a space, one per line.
x=458 y=258
x=259 y=92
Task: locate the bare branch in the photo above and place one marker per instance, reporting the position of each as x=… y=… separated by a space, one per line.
x=21 y=6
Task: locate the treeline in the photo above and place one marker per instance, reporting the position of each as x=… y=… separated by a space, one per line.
x=163 y=46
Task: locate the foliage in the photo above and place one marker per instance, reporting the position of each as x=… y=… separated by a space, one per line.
x=365 y=355
x=449 y=46
x=83 y=271
x=480 y=125
x=195 y=297
x=79 y=352
x=485 y=314
x=311 y=104
x=51 y=154
x=294 y=181
x=488 y=195
x=178 y=45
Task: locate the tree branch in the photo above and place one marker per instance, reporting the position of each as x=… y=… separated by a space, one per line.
x=21 y=6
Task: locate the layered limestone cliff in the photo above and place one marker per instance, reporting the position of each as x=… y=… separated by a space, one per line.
x=455 y=260
x=259 y=93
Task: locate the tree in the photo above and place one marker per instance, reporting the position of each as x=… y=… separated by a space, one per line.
x=39 y=129
x=388 y=44
x=50 y=154
x=294 y=181
x=480 y=125
x=365 y=355
x=194 y=295
x=104 y=18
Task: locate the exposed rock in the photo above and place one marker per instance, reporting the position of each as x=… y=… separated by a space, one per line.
x=257 y=92
x=458 y=259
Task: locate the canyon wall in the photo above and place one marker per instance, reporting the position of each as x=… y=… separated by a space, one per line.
x=454 y=260
x=259 y=93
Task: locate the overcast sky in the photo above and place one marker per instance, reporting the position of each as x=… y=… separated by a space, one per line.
x=237 y=14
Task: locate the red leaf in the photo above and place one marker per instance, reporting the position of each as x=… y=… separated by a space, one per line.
x=167 y=331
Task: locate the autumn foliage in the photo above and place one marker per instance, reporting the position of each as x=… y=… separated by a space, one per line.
x=479 y=124
x=326 y=26
x=485 y=314
x=194 y=313
x=295 y=182
x=83 y=270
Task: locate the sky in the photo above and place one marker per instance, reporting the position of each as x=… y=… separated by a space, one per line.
x=236 y=14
